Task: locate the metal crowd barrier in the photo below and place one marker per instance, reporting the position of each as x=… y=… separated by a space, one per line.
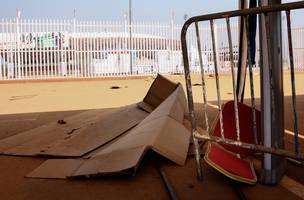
x=265 y=10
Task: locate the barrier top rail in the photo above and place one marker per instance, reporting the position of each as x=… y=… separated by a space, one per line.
x=244 y=12
x=235 y=13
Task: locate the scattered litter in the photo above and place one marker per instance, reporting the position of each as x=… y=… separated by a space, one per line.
x=197 y=84
x=72 y=131
x=13 y=98
x=61 y=121
x=114 y=87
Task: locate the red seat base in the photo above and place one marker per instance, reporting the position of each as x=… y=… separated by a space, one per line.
x=230 y=164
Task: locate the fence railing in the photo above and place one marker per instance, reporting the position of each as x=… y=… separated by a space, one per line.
x=43 y=49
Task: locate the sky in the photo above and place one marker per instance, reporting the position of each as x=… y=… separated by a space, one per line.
x=143 y=10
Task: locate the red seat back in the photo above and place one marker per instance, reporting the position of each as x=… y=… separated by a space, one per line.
x=246 y=126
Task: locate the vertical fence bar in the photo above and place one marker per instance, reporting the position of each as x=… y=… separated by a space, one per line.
x=81 y=47
x=250 y=64
x=34 y=50
x=95 y=47
x=106 y=63
x=21 y=48
x=190 y=102
x=50 y=46
x=4 y=49
x=236 y=111
x=293 y=88
x=101 y=47
x=54 y=49
x=13 y=49
x=57 y=50
x=74 y=48
x=44 y=45
x=78 y=36
x=39 y=39
x=202 y=77
x=64 y=62
x=2 y=60
x=87 y=49
x=217 y=78
x=17 y=47
x=7 y=50
x=6 y=57
x=147 y=69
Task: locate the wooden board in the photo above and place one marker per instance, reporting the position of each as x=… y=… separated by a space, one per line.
x=81 y=134
x=162 y=131
x=160 y=89
x=56 y=168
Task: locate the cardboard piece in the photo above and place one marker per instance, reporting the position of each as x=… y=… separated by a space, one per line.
x=81 y=134
x=160 y=89
x=162 y=131
x=56 y=168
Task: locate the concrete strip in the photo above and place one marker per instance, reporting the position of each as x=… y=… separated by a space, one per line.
x=293 y=186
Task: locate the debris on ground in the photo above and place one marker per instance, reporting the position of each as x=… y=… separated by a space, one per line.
x=114 y=87
x=118 y=138
x=61 y=121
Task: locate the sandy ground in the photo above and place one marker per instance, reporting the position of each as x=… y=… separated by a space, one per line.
x=34 y=97
x=27 y=105
x=82 y=95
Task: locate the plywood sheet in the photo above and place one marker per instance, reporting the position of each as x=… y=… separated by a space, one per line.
x=81 y=133
x=162 y=131
x=56 y=168
x=50 y=132
x=160 y=89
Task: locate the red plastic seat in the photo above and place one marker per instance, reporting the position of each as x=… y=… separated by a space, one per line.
x=230 y=164
x=246 y=126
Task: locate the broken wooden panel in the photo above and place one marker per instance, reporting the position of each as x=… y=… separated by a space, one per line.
x=144 y=106
x=56 y=168
x=98 y=134
x=56 y=131
x=80 y=135
x=174 y=106
x=125 y=161
x=162 y=131
x=160 y=89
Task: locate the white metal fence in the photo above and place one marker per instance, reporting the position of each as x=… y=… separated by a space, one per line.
x=42 y=49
